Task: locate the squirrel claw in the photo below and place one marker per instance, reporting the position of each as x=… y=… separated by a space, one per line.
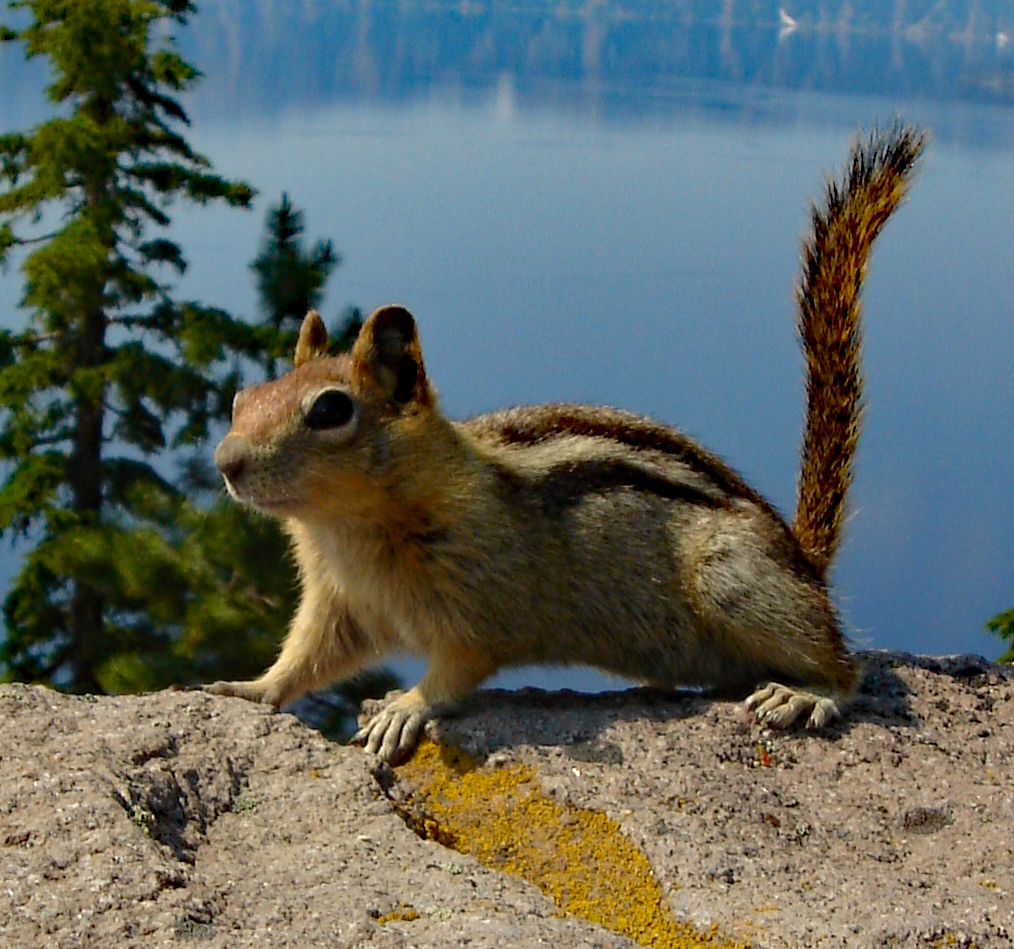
x=779 y=706
x=394 y=732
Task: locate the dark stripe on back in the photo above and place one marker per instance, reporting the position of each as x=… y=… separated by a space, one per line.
x=566 y=484
x=530 y=425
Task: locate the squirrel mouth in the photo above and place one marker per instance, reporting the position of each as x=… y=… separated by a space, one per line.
x=266 y=503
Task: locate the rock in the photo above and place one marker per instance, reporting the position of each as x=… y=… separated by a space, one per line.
x=609 y=820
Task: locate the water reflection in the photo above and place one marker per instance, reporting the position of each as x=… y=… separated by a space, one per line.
x=621 y=59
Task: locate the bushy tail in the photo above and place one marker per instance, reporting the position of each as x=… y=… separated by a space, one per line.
x=834 y=265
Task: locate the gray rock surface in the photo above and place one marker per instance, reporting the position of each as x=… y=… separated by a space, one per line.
x=181 y=818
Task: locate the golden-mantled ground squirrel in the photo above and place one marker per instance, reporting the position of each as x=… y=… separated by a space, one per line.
x=560 y=533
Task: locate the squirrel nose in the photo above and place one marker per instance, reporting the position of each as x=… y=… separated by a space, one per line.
x=230 y=457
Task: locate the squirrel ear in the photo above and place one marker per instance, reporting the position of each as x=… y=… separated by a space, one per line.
x=312 y=340
x=388 y=357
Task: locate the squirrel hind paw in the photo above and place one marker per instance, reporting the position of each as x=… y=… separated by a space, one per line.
x=393 y=733
x=780 y=706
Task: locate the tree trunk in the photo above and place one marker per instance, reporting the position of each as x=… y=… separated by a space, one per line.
x=85 y=623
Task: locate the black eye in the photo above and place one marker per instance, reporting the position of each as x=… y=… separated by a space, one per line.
x=331 y=409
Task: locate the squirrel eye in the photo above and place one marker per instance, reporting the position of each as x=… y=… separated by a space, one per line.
x=331 y=409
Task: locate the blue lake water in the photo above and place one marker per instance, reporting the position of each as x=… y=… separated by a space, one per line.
x=568 y=223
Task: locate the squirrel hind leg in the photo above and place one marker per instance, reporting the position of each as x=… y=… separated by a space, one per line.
x=781 y=706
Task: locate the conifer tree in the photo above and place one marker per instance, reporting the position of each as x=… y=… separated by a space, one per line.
x=290 y=280
x=108 y=368
x=125 y=583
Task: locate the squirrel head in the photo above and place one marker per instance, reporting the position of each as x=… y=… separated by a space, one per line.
x=330 y=437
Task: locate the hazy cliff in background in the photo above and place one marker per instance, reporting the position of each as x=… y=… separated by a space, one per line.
x=591 y=52
x=585 y=52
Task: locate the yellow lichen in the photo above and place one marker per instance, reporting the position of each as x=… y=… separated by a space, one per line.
x=577 y=857
x=404 y=912
x=949 y=939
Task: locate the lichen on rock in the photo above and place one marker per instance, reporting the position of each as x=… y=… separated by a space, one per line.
x=578 y=857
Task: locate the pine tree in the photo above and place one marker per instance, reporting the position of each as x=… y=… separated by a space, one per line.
x=290 y=280
x=109 y=369
x=125 y=583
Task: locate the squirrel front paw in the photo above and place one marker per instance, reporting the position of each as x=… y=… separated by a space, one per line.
x=253 y=691
x=394 y=732
x=781 y=706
